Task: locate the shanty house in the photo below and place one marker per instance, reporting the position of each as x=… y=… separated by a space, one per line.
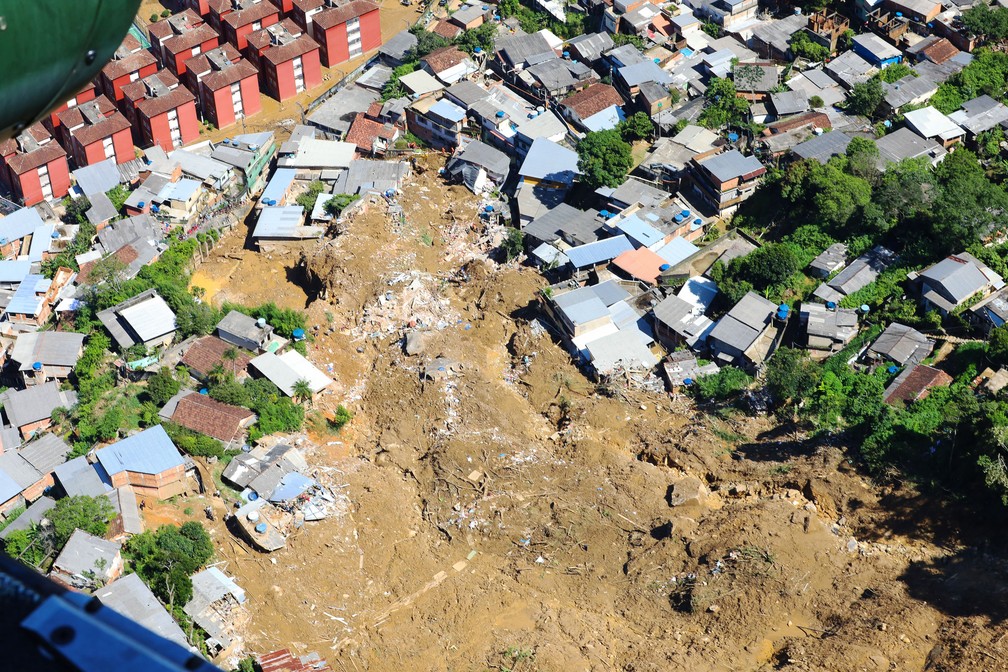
x=955 y=281
x=828 y=329
x=914 y=383
x=148 y=461
x=216 y=607
x=30 y=410
x=901 y=345
x=145 y=318
x=744 y=337
x=204 y=354
x=87 y=561
x=224 y=422
x=46 y=355
x=245 y=331
x=130 y=597
x=287 y=369
x=858 y=274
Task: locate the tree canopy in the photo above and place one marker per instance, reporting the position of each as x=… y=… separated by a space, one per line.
x=604 y=159
x=722 y=106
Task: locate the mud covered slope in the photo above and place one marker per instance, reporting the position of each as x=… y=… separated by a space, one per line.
x=506 y=516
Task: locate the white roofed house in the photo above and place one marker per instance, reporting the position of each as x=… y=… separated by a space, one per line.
x=287 y=369
x=144 y=319
x=956 y=282
x=281 y=226
x=931 y=124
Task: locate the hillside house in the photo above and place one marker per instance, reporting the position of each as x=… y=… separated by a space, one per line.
x=900 y=345
x=46 y=355
x=30 y=410
x=288 y=60
x=448 y=64
x=148 y=461
x=245 y=331
x=180 y=37
x=876 y=51
x=216 y=607
x=87 y=562
x=207 y=353
x=725 y=13
x=130 y=62
x=130 y=597
x=955 y=281
x=914 y=383
x=287 y=369
x=34 y=167
x=581 y=106
x=227 y=85
x=162 y=112
x=828 y=329
x=931 y=124
x=347 y=31
x=724 y=180
x=144 y=319
x=478 y=165
x=95 y=131
x=744 y=337
x=858 y=274
x=224 y=422
x=439 y=123
x=679 y=322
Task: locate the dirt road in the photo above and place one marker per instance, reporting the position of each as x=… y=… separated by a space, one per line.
x=505 y=516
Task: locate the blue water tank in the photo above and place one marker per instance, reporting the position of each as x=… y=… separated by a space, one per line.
x=899 y=15
x=141 y=204
x=204 y=391
x=685 y=213
x=155 y=208
x=657 y=61
x=261 y=528
x=831 y=305
x=679 y=219
x=782 y=311
x=604 y=213
x=488 y=208
x=865 y=308
x=566 y=54
x=54 y=235
x=687 y=381
x=298 y=334
x=500 y=114
x=478 y=50
x=698 y=221
x=664 y=267
x=887 y=123
x=733 y=137
x=36 y=366
x=893 y=369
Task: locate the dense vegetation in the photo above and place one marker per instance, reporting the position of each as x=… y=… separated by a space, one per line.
x=165 y=560
x=36 y=544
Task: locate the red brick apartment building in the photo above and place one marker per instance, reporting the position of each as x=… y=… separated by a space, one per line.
x=34 y=166
x=161 y=111
x=130 y=63
x=288 y=60
x=347 y=31
x=303 y=11
x=285 y=6
x=226 y=85
x=237 y=25
x=87 y=93
x=180 y=37
x=95 y=131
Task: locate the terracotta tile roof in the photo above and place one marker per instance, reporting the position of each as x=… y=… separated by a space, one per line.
x=940 y=51
x=228 y=76
x=291 y=50
x=914 y=384
x=127 y=254
x=152 y=105
x=593 y=100
x=260 y=39
x=201 y=64
x=106 y=127
x=447 y=30
x=196 y=32
x=328 y=18
x=22 y=163
x=363 y=132
x=202 y=414
x=256 y=12
x=817 y=119
x=307 y=5
x=446 y=57
x=132 y=63
x=207 y=352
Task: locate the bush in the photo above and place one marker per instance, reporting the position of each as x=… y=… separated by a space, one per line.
x=162 y=386
x=722 y=385
x=193 y=443
x=308 y=198
x=154 y=18
x=514 y=243
x=165 y=559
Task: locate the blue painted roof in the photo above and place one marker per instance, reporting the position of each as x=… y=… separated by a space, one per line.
x=19 y=224
x=149 y=452
x=599 y=251
x=14 y=271
x=278 y=184
x=608 y=118
x=546 y=160
x=677 y=250
x=448 y=110
x=178 y=191
x=639 y=231
x=8 y=487
x=25 y=300
x=41 y=241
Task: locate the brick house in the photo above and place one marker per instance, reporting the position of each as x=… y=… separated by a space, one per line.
x=129 y=63
x=180 y=37
x=725 y=180
x=347 y=31
x=224 y=422
x=288 y=60
x=162 y=112
x=148 y=461
x=95 y=131
x=30 y=411
x=34 y=166
x=226 y=85
x=236 y=26
x=52 y=122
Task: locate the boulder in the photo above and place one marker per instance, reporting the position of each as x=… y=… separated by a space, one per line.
x=815 y=492
x=414 y=343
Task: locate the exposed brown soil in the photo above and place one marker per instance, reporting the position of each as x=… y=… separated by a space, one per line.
x=508 y=517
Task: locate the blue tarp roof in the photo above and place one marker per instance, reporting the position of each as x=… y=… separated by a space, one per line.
x=149 y=452
x=291 y=485
x=448 y=110
x=278 y=184
x=599 y=251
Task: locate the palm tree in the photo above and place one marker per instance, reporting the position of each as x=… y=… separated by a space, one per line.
x=231 y=355
x=302 y=391
x=217 y=374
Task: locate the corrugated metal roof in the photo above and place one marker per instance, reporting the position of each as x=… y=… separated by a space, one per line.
x=24 y=407
x=149 y=319
x=278 y=184
x=32 y=515
x=14 y=271
x=148 y=452
x=84 y=552
x=639 y=231
x=677 y=250
x=731 y=165
x=97 y=178
x=287 y=369
x=46 y=453
x=546 y=160
x=130 y=597
x=78 y=477
x=19 y=470
x=283 y=222
x=9 y=488
x=620 y=349
x=291 y=485
x=55 y=348
x=599 y=251
x=25 y=300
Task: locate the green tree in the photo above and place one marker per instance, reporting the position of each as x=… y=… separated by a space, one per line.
x=302 y=391
x=767 y=265
x=747 y=76
x=604 y=159
x=863 y=157
x=895 y=72
x=513 y=244
x=791 y=376
x=307 y=199
x=638 y=126
x=79 y=512
x=75 y=209
x=231 y=355
x=162 y=386
x=230 y=392
x=817 y=102
x=118 y=195
x=335 y=206
x=723 y=385
x=427 y=42
x=997 y=345
x=803 y=46
x=968 y=206
x=722 y=106
x=482 y=37
x=865 y=98
x=989 y=23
